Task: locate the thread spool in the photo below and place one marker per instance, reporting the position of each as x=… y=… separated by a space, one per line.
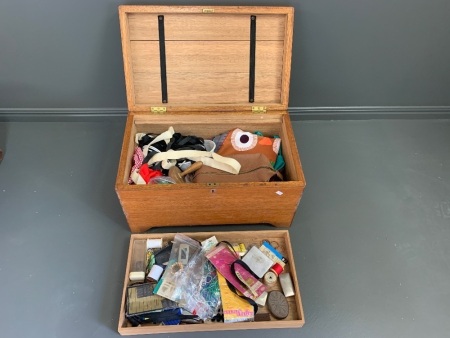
x=277 y=269
x=155 y=273
x=270 y=278
x=154 y=243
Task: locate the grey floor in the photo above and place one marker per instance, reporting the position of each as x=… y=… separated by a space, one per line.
x=371 y=236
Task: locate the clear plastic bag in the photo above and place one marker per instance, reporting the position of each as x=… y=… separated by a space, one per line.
x=190 y=279
x=201 y=294
x=170 y=285
x=162 y=180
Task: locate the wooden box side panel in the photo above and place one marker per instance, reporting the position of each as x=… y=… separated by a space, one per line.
x=294 y=169
x=278 y=238
x=126 y=153
x=207 y=67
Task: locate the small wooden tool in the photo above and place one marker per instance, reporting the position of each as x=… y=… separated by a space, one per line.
x=178 y=176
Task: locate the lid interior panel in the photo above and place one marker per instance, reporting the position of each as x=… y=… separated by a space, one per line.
x=207 y=59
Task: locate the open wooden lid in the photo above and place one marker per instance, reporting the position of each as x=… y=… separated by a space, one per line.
x=194 y=58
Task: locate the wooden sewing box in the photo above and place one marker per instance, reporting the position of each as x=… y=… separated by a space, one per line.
x=205 y=70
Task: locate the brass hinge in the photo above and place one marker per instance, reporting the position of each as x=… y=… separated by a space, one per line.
x=259 y=109
x=158 y=110
x=207 y=10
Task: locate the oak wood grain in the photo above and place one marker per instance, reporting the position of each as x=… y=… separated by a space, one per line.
x=207 y=65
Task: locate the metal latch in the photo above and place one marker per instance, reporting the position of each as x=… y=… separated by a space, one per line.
x=158 y=110
x=207 y=10
x=259 y=109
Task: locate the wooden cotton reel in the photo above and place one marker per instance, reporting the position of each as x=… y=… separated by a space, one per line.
x=178 y=176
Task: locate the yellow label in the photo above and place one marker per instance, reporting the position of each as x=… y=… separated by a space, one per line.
x=235 y=309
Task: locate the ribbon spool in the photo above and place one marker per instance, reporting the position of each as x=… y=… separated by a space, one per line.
x=154 y=243
x=277 y=269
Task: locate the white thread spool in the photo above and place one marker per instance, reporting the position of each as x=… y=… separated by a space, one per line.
x=154 y=243
x=155 y=273
x=270 y=278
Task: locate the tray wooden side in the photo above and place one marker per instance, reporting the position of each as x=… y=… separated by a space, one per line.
x=279 y=238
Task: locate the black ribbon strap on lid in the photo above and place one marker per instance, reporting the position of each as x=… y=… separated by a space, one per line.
x=251 y=89
x=162 y=58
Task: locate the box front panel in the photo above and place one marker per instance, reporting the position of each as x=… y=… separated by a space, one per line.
x=195 y=204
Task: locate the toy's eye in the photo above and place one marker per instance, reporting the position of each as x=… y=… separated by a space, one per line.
x=243 y=141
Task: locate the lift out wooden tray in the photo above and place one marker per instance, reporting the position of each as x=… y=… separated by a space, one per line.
x=278 y=238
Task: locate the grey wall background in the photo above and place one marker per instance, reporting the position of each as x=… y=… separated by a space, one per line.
x=67 y=54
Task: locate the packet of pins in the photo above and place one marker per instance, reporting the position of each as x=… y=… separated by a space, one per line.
x=141 y=299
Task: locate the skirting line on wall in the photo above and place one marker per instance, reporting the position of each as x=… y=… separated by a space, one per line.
x=297 y=113
x=61 y=114
x=370 y=113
